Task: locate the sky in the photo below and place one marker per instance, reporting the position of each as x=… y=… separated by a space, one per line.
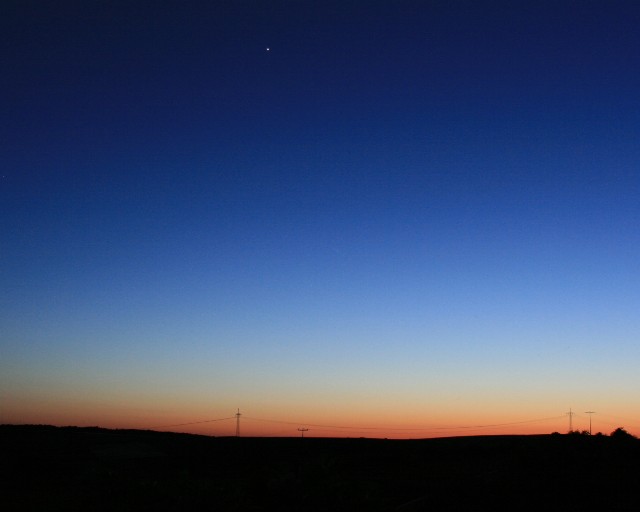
x=365 y=218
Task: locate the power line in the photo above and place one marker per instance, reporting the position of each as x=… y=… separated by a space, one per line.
x=618 y=418
x=339 y=428
x=192 y=423
x=351 y=427
x=539 y=420
x=392 y=429
x=618 y=421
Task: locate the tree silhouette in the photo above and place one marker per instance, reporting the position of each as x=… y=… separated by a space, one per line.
x=579 y=432
x=621 y=434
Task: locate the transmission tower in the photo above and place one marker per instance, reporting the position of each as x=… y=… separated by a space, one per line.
x=570 y=414
x=238 y=423
x=589 y=413
x=302 y=431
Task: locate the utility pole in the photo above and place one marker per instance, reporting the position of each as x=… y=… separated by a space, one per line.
x=570 y=420
x=238 y=423
x=302 y=431
x=589 y=413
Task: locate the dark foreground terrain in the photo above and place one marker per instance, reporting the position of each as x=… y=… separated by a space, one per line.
x=51 y=468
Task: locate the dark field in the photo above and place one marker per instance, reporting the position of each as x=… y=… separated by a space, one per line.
x=50 y=468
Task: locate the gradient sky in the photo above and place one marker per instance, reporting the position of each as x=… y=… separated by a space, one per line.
x=400 y=215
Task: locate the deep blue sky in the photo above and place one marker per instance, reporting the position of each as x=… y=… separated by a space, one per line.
x=400 y=196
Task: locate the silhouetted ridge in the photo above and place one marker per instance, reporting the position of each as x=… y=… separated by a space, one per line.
x=74 y=468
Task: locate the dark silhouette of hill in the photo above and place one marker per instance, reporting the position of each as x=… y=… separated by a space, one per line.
x=70 y=468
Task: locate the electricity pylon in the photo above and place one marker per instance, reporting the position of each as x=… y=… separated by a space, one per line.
x=238 y=423
x=589 y=413
x=302 y=431
x=570 y=414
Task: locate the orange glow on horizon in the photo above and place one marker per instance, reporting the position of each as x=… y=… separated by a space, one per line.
x=275 y=420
